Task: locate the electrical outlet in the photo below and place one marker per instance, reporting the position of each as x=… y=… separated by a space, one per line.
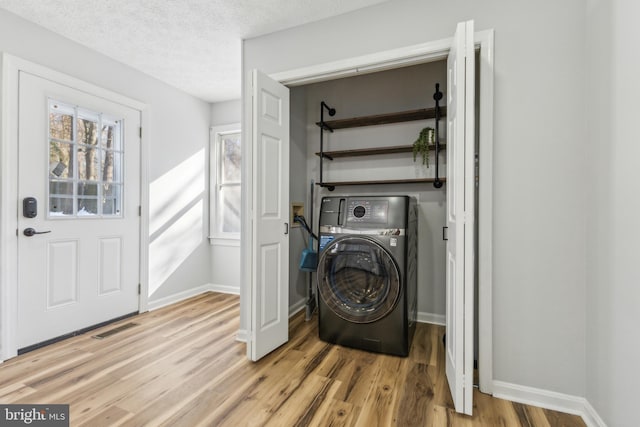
x=297 y=208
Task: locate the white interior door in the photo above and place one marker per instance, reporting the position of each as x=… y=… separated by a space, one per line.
x=270 y=202
x=79 y=159
x=460 y=217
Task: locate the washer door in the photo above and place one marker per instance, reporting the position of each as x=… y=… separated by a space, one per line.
x=358 y=279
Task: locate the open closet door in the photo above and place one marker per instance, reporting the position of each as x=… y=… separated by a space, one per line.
x=460 y=216
x=269 y=214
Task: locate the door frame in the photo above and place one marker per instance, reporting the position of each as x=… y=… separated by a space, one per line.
x=10 y=67
x=385 y=60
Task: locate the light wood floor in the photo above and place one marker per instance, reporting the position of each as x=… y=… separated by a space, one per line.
x=181 y=366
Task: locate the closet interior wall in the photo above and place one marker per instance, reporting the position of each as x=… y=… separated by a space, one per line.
x=401 y=89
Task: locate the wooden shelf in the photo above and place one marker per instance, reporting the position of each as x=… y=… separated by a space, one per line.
x=383 y=119
x=373 y=151
x=376 y=182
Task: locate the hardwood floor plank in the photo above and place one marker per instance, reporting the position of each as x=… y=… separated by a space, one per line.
x=182 y=367
x=416 y=398
x=378 y=407
x=108 y=417
x=536 y=416
x=299 y=408
x=336 y=413
x=559 y=419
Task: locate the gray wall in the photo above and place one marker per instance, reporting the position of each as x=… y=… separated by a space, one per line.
x=539 y=195
x=613 y=277
x=177 y=134
x=225 y=259
x=298 y=192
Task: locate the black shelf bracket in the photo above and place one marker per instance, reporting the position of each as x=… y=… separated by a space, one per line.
x=437 y=96
x=323 y=127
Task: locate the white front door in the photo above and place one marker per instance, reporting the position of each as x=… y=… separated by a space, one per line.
x=270 y=216
x=460 y=217
x=78 y=185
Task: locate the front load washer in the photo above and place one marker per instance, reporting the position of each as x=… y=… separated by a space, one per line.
x=367 y=272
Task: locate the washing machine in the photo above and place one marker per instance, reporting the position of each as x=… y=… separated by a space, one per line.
x=367 y=272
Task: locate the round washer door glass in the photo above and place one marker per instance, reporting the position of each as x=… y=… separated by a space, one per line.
x=358 y=279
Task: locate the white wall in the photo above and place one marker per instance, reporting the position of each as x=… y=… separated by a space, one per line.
x=225 y=258
x=177 y=133
x=539 y=167
x=613 y=277
x=226 y=113
x=397 y=90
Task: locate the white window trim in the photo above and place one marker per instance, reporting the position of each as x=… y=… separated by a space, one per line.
x=217 y=238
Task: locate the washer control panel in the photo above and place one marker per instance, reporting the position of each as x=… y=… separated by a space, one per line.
x=367 y=211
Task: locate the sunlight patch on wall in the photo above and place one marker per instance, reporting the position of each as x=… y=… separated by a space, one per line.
x=176 y=189
x=171 y=248
x=177 y=218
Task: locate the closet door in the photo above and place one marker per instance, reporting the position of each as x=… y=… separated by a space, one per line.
x=270 y=216
x=460 y=217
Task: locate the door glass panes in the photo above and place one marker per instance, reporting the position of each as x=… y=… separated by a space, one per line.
x=61 y=123
x=60 y=158
x=85 y=163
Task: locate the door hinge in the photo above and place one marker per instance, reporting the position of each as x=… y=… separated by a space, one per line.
x=445 y=233
x=140 y=128
x=139 y=288
x=140 y=210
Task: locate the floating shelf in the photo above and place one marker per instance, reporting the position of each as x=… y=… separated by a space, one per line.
x=375 y=182
x=383 y=119
x=372 y=151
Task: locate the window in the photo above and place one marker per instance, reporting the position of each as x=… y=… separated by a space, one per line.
x=225 y=184
x=85 y=163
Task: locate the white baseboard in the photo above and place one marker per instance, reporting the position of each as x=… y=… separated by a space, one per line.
x=295 y=308
x=591 y=417
x=436 y=319
x=208 y=287
x=549 y=400
x=172 y=299
x=224 y=289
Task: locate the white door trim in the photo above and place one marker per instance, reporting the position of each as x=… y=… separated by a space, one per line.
x=9 y=94
x=396 y=58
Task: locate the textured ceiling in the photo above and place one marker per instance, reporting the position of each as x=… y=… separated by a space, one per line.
x=193 y=45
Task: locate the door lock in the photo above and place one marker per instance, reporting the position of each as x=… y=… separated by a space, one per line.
x=31 y=232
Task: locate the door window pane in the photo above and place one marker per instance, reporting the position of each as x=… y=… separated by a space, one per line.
x=111 y=167
x=111 y=199
x=61 y=122
x=60 y=158
x=60 y=206
x=88 y=128
x=87 y=189
x=111 y=137
x=87 y=207
x=88 y=161
x=85 y=163
x=59 y=188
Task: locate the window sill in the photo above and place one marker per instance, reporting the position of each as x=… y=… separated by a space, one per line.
x=224 y=241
